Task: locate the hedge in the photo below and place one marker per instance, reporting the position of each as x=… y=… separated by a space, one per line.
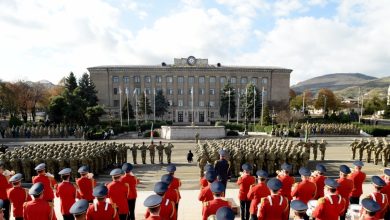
x=376 y=131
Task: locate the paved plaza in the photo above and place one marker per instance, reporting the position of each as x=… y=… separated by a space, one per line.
x=337 y=153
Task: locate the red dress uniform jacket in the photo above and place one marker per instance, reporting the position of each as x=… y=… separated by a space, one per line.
x=132 y=182
x=4 y=185
x=211 y=207
x=203 y=182
x=172 y=195
x=358 y=177
x=304 y=191
x=382 y=200
x=85 y=188
x=38 y=209
x=255 y=194
x=345 y=189
x=287 y=182
x=17 y=196
x=245 y=182
x=329 y=208
x=154 y=217
x=176 y=184
x=67 y=194
x=319 y=180
x=167 y=210
x=48 y=185
x=117 y=192
x=273 y=207
x=101 y=210
x=205 y=194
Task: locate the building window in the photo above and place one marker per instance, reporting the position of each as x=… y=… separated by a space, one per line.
x=169 y=79
x=159 y=90
x=137 y=79
x=264 y=81
x=180 y=79
x=115 y=91
x=190 y=103
x=212 y=103
x=189 y=116
x=126 y=79
x=191 y=80
x=180 y=116
x=147 y=91
x=158 y=79
x=138 y=91
x=233 y=80
x=170 y=91
x=211 y=114
x=222 y=80
x=147 y=79
x=201 y=79
x=212 y=79
x=254 y=80
x=180 y=103
x=244 y=80
x=201 y=91
x=115 y=79
x=201 y=103
x=180 y=91
x=212 y=91
x=116 y=103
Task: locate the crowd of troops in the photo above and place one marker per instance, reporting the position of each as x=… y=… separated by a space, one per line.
x=261 y=153
x=376 y=150
x=40 y=131
x=328 y=129
x=152 y=148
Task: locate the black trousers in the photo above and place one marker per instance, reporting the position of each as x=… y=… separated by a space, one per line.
x=244 y=205
x=6 y=206
x=68 y=217
x=354 y=200
x=253 y=217
x=122 y=216
x=131 y=204
x=19 y=218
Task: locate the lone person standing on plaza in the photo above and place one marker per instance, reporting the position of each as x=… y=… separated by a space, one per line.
x=222 y=168
x=358 y=177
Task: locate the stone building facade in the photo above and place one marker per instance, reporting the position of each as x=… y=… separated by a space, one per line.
x=179 y=79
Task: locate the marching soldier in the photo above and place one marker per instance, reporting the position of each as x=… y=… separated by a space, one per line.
x=117 y=192
x=79 y=209
x=211 y=207
x=47 y=180
x=358 y=177
x=143 y=149
x=134 y=149
x=17 y=196
x=160 y=150
x=132 y=183
x=257 y=192
x=245 y=181
x=152 y=152
x=345 y=186
x=353 y=148
x=85 y=184
x=67 y=193
x=153 y=204
x=274 y=206
x=101 y=209
x=39 y=208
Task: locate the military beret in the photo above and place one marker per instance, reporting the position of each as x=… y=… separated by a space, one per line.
x=83 y=169
x=358 y=163
x=36 y=189
x=166 y=178
x=16 y=178
x=1 y=204
x=246 y=167
x=217 y=187
x=225 y=213
x=116 y=172
x=160 y=187
x=321 y=168
x=304 y=171
x=171 y=168
x=298 y=205
x=40 y=167
x=331 y=183
x=262 y=173
x=65 y=171
x=152 y=201
x=286 y=166
x=211 y=176
x=387 y=172
x=127 y=167
x=376 y=180
x=222 y=153
x=79 y=207
x=209 y=167
x=345 y=169
x=100 y=191
x=274 y=184
x=370 y=205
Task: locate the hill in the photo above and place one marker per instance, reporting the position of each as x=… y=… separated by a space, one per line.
x=373 y=87
x=335 y=82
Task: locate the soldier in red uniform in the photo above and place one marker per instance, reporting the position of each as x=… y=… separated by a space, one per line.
x=245 y=181
x=205 y=193
x=370 y=208
x=345 y=186
x=287 y=181
x=38 y=208
x=67 y=193
x=85 y=184
x=299 y=208
x=203 y=181
x=153 y=203
x=132 y=182
x=274 y=206
x=17 y=196
x=379 y=197
x=47 y=180
x=211 y=207
x=171 y=194
x=318 y=177
x=224 y=213
x=79 y=209
x=167 y=208
x=257 y=192
x=358 y=177
x=386 y=189
x=117 y=192
x=4 y=186
x=176 y=183
x=304 y=190
x=332 y=205
x=101 y=209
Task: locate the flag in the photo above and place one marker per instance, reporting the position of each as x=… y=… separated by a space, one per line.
x=151 y=133
x=120 y=90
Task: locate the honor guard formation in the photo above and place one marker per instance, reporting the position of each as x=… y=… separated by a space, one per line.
x=376 y=150
x=40 y=131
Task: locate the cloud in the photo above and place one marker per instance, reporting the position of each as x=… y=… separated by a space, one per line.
x=286 y=7
x=245 y=8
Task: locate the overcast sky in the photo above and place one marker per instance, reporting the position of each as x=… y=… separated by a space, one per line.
x=46 y=39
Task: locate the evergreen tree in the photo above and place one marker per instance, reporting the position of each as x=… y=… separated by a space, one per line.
x=161 y=104
x=144 y=108
x=88 y=90
x=266 y=116
x=224 y=99
x=70 y=82
x=247 y=102
x=124 y=110
x=57 y=109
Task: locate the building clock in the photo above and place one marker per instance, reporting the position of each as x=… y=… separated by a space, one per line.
x=191 y=60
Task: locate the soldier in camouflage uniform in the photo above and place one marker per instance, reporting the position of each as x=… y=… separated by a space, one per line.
x=315 y=147
x=160 y=151
x=134 y=149
x=143 y=149
x=323 y=148
x=168 y=152
x=152 y=152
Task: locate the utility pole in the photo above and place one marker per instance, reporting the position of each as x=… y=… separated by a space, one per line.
x=229 y=107
x=154 y=101
x=127 y=100
x=238 y=104
x=120 y=104
x=254 y=107
x=262 y=106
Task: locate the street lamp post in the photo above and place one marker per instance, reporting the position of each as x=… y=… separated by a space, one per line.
x=325 y=97
x=229 y=107
x=238 y=104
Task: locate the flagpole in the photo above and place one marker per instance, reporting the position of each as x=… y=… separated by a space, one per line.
x=262 y=106
x=145 y=112
x=246 y=108
x=254 y=107
x=229 y=107
x=120 y=105
x=127 y=100
x=136 y=108
x=238 y=104
x=154 y=101
x=193 y=116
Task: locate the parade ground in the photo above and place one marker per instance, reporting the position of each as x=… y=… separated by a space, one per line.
x=337 y=153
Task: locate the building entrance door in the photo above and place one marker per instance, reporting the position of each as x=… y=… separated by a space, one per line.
x=201 y=116
x=180 y=116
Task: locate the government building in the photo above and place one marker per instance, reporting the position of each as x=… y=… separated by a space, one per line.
x=178 y=80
